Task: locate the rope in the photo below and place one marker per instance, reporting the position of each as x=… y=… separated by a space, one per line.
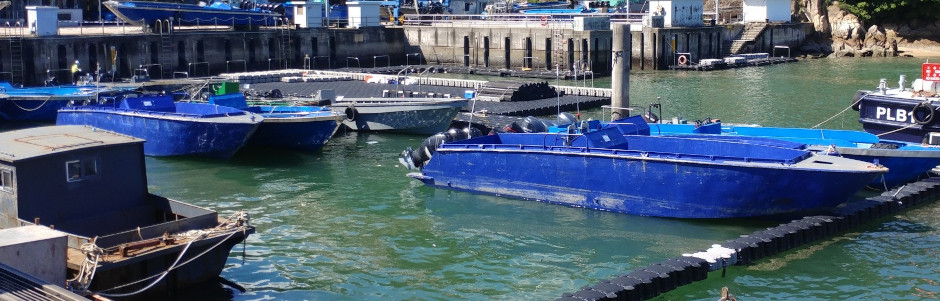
x=33 y=109
x=840 y=113
x=89 y=266
x=897 y=130
x=237 y=222
x=162 y=275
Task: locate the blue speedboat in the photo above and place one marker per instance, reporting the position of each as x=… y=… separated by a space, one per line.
x=170 y=128
x=214 y=13
x=905 y=161
x=41 y=103
x=304 y=128
x=620 y=167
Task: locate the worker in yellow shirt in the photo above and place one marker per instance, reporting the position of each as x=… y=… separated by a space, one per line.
x=75 y=72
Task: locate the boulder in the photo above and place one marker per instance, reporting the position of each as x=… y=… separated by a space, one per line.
x=875 y=36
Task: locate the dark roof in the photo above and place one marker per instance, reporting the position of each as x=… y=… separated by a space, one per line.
x=41 y=141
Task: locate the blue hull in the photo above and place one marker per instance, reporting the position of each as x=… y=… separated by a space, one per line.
x=137 y=12
x=304 y=128
x=42 y=103
x=653 y=176
x=172 y=133
x=30 y=110
x=905 y=161
x=305 y=134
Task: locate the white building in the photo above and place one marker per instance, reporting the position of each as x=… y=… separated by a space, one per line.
x=766 y=10
x=679 y=13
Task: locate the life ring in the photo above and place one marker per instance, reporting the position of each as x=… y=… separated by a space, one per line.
x=683 y=60
x=351 y=114
x=544 y=20
x=920 y=107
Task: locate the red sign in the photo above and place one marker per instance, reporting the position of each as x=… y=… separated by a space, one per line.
x=931 y=72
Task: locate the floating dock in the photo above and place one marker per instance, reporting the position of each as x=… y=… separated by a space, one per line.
x=709 y=65
x=658 y=278
x=355 y=85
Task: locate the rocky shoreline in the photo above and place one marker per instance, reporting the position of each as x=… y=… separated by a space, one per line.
x=841 y=34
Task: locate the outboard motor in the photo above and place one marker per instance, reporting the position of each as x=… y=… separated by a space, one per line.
x=566 y=118
x=533 y=125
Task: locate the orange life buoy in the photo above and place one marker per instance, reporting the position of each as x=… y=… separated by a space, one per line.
x=683 y=60
x=544 y=20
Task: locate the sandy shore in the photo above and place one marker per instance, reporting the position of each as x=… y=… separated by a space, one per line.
x=931 y=52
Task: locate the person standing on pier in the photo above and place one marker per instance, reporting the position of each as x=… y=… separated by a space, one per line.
x=75 y=72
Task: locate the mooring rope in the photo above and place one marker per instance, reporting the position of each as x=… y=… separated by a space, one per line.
x=897 y=130
x=33 y=109
x=840 y=113
x=162 y=275
x=237 y=222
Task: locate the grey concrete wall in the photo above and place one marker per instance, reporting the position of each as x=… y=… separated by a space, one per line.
x=536 y=47
x=207 y=52
x=659 y=46
x=511 y=48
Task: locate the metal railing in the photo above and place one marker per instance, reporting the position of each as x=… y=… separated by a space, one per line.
x=244 y=65
x=192 y=67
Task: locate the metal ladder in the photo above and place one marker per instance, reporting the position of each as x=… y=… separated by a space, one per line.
x=16 y=60
x=286 y=46
x=166 y=58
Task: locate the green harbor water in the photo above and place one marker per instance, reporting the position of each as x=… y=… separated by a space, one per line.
x=345 y=223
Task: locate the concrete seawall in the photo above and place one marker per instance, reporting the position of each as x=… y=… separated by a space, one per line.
x=210 y=50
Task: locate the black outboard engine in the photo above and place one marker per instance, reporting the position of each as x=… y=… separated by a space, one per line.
x=533 y=125
x=566 y=118
x=415 y=159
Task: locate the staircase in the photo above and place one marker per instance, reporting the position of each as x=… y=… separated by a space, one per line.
x=16 y=60
x=751 y=33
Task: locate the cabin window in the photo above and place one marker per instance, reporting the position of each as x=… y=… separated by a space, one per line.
x=6 y=180
x=81 y=169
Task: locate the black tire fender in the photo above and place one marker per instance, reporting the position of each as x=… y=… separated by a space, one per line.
x=931 y=113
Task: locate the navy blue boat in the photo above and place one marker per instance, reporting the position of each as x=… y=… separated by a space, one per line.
x=904 y=114
x=304 y=128
x=215 y=13
x=620 y=168
x=170 y=128
x=92 y=185
x=905 y=161
x=42 y=103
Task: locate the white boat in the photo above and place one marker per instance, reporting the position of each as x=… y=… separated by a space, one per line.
x=425 y=116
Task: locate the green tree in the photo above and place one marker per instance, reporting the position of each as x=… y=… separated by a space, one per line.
x=878 y=11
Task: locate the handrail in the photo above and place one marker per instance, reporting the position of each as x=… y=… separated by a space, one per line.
x=191 y=67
